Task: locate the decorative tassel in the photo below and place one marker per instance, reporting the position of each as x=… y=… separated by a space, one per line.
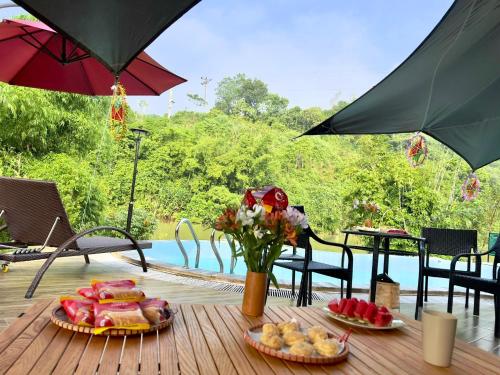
x=118 y=111
x=471 y=187
x=416 y=150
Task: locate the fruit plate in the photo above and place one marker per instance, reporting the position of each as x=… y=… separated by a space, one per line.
x=60 y=319
x=252 y=337
x=396 y=323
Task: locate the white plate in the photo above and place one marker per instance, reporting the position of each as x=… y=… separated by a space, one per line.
x=396 y=323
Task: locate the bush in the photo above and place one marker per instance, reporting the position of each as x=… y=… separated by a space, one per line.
x=143 y=223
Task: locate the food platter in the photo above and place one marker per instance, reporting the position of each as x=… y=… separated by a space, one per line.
x=60 y=319
x=396 y=323
x=252 y=337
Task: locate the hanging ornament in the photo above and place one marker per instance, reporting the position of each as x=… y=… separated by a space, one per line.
x=416 y=150
x=471 y=187
x=118 y=111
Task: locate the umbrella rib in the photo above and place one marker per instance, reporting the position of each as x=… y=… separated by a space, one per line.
x=87 y=78
x=144 y=83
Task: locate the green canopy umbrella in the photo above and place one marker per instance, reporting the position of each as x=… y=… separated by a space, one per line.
x=448 y=88
x=112 y=31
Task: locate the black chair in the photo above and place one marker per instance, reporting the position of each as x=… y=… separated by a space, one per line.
x=444 y=242
x=307 y=266
x=478 y=283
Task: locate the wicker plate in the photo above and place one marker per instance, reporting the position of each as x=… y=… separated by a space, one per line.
x=356 y=323
x=59 y=318
x=252 y=337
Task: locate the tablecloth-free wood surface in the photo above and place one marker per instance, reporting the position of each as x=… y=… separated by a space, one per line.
x=208 y=339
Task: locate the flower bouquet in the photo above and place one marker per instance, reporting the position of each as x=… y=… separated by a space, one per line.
x=366 y=211
x=260 y=227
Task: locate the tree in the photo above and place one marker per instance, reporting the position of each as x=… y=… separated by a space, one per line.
x=197 y=100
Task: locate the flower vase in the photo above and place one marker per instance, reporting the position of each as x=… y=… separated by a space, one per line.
x=254 y=296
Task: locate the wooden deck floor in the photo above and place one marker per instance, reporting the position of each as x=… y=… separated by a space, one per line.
x=67 y=274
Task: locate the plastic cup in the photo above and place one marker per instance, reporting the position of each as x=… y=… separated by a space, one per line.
x=438 y=337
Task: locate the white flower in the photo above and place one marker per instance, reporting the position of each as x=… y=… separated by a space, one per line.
x=356 y=203
x=295 y=217
x=248 y=216
x=258 y=233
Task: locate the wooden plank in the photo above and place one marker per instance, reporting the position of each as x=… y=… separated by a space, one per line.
x=30 y=356
x=234 y=352
x=130 y=357
x=71 y=356
x=184 y=348
x=149 y=354
x=206 y=364
x=255 y=359
x=169 y=363
x=19 y=345
x=20 y=324
x=224 y=359
x=50 y=358
x=111 y=357
x=89 y=362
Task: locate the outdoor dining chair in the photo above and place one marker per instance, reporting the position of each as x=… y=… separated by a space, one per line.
x=307 y=266
x=476 y=282
x=439 y=241
x=35 y=216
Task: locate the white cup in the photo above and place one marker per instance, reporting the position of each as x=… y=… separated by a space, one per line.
x=438 y=337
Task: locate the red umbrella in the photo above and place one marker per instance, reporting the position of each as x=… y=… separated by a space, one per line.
x=34 y=55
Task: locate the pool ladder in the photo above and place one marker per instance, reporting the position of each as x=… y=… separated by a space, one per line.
x=198 y=246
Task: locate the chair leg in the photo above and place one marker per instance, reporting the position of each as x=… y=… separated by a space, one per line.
x=143 y=260
x=268 y=285
x=342 y=265
x=293 y=283
x=301 y=290
x=41 y=272
x=477 y=298
x=87 y=260
x=497 y=315
x=426 y=287
x=467 y=298
x=309 y=294
x=349 y=288
x=450 y=298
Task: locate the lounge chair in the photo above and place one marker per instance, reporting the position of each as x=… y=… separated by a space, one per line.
x=35 y=216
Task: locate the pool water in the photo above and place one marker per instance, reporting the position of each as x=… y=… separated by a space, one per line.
x=403 y=269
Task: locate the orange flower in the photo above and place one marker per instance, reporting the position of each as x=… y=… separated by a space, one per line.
x=290 y=234
x=227 y=221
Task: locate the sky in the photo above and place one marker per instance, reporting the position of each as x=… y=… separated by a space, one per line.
x=313 y=52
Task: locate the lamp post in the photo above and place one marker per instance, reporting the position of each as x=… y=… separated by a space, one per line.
x=139 y=133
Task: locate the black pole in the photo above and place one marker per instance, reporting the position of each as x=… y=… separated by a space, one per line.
x=138 y=136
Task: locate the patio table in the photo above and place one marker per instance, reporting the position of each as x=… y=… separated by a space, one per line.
x=208 y=339
x=384 y=237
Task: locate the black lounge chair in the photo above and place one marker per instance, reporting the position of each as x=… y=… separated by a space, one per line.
x=35 y=216
x=440 y=241
x=478 y=283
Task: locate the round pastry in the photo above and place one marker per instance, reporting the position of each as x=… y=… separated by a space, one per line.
x=290 y=326
x=302 y=348
x=270 y=329
x=328 y=347
x=273 y=341
x=316 y=333
x=293 y=337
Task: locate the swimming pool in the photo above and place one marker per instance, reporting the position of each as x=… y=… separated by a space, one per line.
x=403 y=269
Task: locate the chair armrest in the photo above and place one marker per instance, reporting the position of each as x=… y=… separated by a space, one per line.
x=345 y=248
x=468 y=255
x=84 y=233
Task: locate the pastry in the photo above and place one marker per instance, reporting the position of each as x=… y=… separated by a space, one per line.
x=293 y=337
x=302 y=348
x=316 y=333
x=273 y=341
x=328 y=347
x=290 y=326
x=270 y=329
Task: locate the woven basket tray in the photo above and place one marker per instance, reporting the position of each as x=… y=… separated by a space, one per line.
x=60 y=318
x=285 y=355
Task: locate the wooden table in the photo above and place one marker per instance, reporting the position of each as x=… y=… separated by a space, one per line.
x=208 y=339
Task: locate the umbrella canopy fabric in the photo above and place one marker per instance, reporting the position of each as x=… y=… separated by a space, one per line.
x=113 y=31
x=449 y=88
x=34 y=55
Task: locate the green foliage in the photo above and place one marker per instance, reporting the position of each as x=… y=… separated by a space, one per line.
x=197 y=100
x=143 y=223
